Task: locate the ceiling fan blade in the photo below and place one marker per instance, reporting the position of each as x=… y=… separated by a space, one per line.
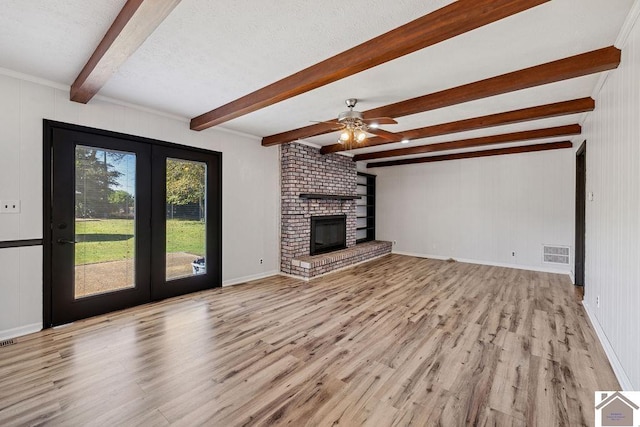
x=336 y=125
x=391 y=136
x=381 y=121
x=329 y=123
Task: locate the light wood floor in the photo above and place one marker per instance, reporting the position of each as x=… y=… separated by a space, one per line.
x=397 y=341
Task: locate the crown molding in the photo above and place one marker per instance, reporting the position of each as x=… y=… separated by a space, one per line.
x=66 y=88
x=33 y=79
x=236 y=132
x=621 y=40
x=628 y=25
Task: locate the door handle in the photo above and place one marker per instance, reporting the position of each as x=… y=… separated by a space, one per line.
x=66 y=242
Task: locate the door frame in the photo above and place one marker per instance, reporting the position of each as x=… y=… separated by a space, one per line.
x=47 y=180
x=580 y=216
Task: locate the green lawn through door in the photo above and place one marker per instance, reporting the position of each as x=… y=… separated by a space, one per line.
x=113 y=239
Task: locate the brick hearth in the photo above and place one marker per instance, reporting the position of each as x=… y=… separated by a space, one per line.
x=316 y=265
x=305 y=170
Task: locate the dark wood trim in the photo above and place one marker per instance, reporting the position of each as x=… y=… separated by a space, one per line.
x=580 y=211
x=475 y=142
x=368 y=175
x=318 y=196
x=135 y=22
x=20 y=243
x=435 y=27
x=575 y=106
x=582 y=149
x=574 y=66
x=474 y=154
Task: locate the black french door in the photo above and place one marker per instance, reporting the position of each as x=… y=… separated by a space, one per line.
x=127 y=220
x=172 y=242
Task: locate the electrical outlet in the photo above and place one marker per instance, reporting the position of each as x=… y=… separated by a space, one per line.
x=598 y=301
x=394 y=242
x=260 y=260
x=9 y=206
x=513 y=254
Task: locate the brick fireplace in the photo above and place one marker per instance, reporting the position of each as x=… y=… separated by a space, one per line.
x=305 y=171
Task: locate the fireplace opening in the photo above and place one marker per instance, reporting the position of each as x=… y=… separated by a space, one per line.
x=328 y=233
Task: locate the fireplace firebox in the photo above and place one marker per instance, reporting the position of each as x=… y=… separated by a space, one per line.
x=328 y=233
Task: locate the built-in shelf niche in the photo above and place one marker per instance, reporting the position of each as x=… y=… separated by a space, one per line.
x=366 y=207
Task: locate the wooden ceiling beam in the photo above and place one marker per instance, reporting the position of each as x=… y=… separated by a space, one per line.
x=475 y=142
x=563 y=69
x=135 y=22
x=575 y=106
x=445 y=23
x=474 y=154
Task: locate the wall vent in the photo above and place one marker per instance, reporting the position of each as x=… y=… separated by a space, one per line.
x=7 y=342
x=553 y=254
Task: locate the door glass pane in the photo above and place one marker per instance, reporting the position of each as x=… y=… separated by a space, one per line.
x=105 y=197
x=186 y=219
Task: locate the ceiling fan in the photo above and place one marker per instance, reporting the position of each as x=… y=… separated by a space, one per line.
x=354 y=127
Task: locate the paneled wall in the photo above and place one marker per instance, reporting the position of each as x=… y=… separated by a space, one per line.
x=250 y=188
x=612 y=269
x=493 y=210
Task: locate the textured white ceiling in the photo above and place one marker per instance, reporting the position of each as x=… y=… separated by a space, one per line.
x=207 y=53
x=218 y=51
x=53 y=39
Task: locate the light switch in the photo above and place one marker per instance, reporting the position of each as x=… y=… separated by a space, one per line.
x=590 y=196
x=10 y=206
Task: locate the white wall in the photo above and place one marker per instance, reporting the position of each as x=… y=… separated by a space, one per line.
x=250 y=188
x=480 y=210
x=612 y=269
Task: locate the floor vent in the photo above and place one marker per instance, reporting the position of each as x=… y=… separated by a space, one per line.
x=6 y=343
x=556 y=254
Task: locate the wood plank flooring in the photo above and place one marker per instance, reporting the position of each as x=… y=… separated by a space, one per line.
x=393 y=342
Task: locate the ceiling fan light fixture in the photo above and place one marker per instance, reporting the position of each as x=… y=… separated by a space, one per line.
x=354 y=127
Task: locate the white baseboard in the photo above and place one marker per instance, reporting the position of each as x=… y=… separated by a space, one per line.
x=618 y=370
x=238 y=280
x=491 y=263
x=20 y=331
